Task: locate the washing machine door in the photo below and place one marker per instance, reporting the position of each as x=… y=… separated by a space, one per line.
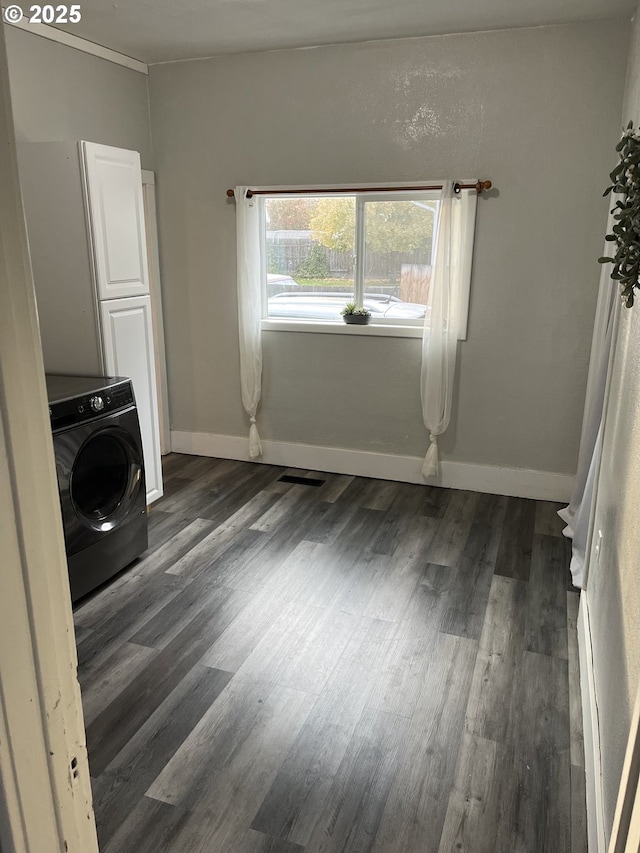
x=100 y=478
x=105 y=479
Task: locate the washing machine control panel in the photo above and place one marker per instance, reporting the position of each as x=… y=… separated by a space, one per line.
x=66 y=413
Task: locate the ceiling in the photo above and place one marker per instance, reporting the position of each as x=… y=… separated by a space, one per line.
x=166 y=30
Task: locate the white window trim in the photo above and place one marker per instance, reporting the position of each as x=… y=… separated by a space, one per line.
x=409 y=329
x=328 y=327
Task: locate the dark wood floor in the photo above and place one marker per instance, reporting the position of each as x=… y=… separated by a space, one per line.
x=360 y=666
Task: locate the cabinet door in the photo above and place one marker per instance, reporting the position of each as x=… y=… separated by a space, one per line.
x=128 y=351
x=113 y=181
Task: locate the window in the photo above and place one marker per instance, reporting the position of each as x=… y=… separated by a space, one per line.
x=307 y=253
x=323 y=251
x=379 y=235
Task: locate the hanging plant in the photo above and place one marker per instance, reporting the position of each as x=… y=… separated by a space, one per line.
x=625 y=180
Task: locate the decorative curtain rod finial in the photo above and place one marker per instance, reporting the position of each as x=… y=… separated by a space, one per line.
x=231 y=194
x=480 y=187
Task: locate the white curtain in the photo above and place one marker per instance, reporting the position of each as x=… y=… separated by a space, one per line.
x=578 y=514
x=440 y=334
x=249 y=310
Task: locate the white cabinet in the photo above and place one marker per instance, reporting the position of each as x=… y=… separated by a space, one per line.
x=128 y=349
x=116 y=213
x=86 y=226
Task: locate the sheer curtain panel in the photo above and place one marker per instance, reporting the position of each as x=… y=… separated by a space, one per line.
x=441 y=326
x=249 y=310
x=578 y=514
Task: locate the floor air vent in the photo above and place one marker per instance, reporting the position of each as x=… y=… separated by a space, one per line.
x=301 y=481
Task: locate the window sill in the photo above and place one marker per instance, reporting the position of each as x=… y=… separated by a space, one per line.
x=328 y=328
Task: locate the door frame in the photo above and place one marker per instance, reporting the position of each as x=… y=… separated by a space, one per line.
x=625 y=834
x=45 y=790
x=157 y=319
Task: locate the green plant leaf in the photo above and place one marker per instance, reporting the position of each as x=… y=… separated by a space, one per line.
x=625 y=233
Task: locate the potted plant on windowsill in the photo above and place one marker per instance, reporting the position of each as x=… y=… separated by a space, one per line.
x=355 y=316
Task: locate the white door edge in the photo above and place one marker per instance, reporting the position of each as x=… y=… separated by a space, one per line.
x=591 y=726
x=625 y=835
x=45 y=791
x=155 y=291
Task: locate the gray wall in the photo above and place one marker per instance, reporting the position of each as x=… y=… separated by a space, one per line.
x=535 y=110
x=60 y=94
x=613 y=586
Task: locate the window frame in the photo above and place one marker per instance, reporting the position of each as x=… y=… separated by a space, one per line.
x=384 y=327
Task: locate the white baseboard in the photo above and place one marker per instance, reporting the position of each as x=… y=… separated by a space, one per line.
x=517 y=482
x=593 y=769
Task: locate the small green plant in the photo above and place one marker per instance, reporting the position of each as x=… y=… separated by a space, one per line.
x=625 y=180
x=350 y=308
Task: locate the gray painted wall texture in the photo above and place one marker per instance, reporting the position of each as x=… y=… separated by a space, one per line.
x=612 y=587
x=61 y=94
x=535 y=110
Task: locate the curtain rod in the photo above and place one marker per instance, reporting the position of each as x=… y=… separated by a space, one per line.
x=479 y=187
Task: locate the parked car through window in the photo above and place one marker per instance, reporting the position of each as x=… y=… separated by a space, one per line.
x=327 y=306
